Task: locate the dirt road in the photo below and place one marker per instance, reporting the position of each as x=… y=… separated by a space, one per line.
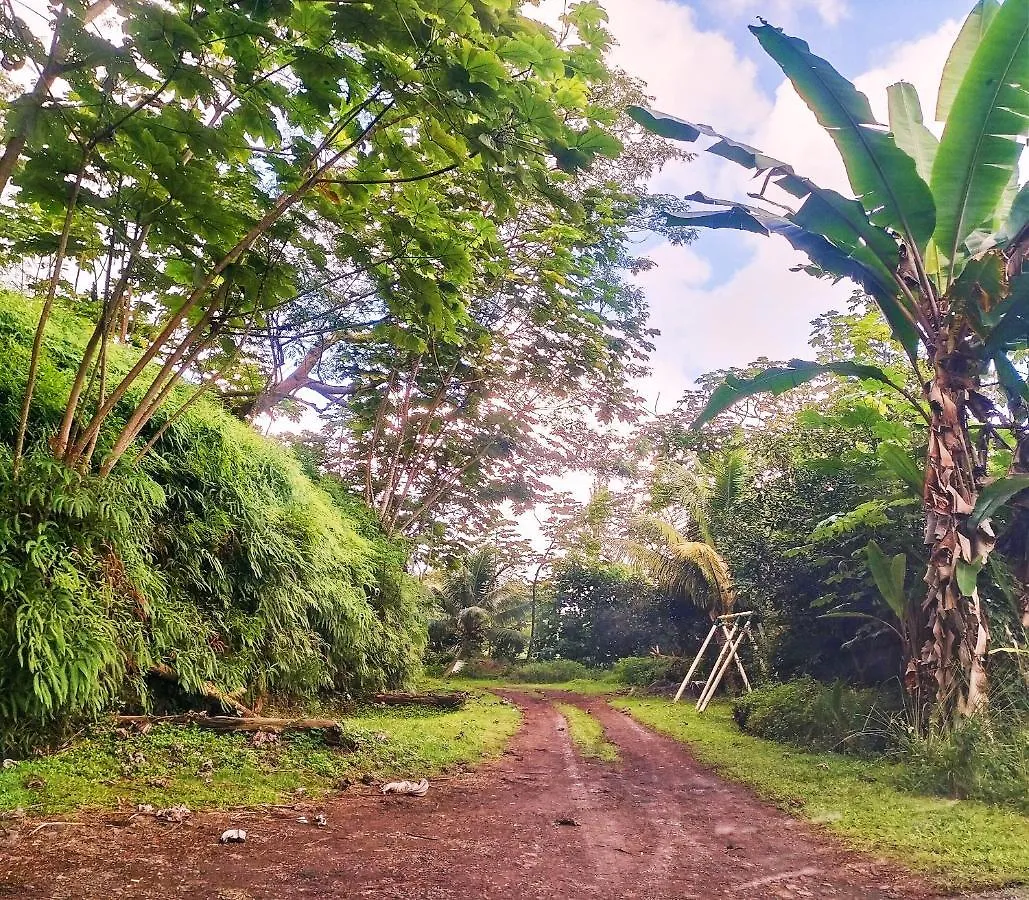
x=655 y=824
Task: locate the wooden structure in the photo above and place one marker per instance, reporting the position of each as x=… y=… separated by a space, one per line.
x=734 y=628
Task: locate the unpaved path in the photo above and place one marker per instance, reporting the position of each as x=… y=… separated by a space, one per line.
x=655 y=824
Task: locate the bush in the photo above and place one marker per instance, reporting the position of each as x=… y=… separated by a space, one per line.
x=817 y=716
x=549 y=672
x=216 y=558
x=975 y=760
x=643 y=671
x=484 y=668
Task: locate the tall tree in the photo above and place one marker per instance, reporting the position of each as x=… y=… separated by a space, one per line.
x=212 y=151
x=938 y=237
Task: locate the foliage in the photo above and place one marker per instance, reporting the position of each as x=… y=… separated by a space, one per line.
x=479 y=611
x=817 y=716
x=195 y=161
x=979 y=759
x=864 y=802
x=549 y=671
x=937 y=237
x=171 y=765
x=215 y=559
x=599 y=612
x=587 y=733
x=643 y=671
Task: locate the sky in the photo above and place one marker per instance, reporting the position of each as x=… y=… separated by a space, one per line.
x=729 y=297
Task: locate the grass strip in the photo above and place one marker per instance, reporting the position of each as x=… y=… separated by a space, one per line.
x=960 y=843
x=587 y=733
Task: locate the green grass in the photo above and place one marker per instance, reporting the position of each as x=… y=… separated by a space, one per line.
x=960 y=843
x=587 y=733
x=174 y=764
x=587 y=686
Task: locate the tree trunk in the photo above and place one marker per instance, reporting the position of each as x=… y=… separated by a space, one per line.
x=949 y=674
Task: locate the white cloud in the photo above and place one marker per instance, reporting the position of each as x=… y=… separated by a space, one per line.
x=763 y=309
x=832 y=12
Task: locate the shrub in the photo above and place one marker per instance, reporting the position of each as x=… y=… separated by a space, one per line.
x=976 y=760
x=817 y=716
x=216 y=558
x=643 y=671
x=549 y=672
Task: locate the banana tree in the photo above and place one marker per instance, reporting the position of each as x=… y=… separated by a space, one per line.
x=937 y=233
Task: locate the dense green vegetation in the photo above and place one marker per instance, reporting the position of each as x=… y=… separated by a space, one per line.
x=214 y=562
x=307 y=306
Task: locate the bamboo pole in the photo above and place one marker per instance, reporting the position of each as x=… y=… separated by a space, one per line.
x=696 y=662
x=717 y=677
x=722 y=658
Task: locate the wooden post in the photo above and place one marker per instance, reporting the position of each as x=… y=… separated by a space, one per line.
x=716 y=677
x=739 y=664
x=723 y=659
x=696 y=662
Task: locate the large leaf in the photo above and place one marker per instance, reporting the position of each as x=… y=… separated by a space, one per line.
x=779 y=379
x=823 y=253
x=979 y=150
x=889 y=577
x=837 y=218
x=961 y=54
x=994 y=496
x=902 y=464
x=882 y=175
x=908 y=128
x=1014 y=385
x=1012 y=328
x=840 y=220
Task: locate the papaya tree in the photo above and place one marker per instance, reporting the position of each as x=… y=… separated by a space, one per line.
x=937 y=234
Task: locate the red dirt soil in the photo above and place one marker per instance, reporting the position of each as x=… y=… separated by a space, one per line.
x=654 y=824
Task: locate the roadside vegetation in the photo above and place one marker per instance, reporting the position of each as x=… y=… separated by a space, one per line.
x=306 y=307
x=171 y=765
x=869 y=803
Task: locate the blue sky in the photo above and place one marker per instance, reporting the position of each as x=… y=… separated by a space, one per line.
x=729 y=297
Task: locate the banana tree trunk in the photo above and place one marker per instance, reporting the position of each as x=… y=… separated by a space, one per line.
x=950 y=672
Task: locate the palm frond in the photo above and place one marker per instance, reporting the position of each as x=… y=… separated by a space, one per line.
x=684 y=569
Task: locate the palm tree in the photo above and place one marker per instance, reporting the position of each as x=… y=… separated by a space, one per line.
x=478 y=611
x=683 y=569
x=937 y=234
x=675 y=544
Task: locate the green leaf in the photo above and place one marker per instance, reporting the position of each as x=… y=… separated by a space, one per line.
x=979 y=150
x=902 y=464
x=1011 y=381
x=908 y=129
x=1012 y=327
x=961 y=54
x=840 y=220
x=994 y=496
x=882 y=175
x=778 y=379
x=889 y=575
x=968 y=574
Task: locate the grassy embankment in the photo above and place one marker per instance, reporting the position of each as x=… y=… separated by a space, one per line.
x=960 y=843
x=172 y=765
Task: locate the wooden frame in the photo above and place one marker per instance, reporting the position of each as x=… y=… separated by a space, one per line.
x=734 y=627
